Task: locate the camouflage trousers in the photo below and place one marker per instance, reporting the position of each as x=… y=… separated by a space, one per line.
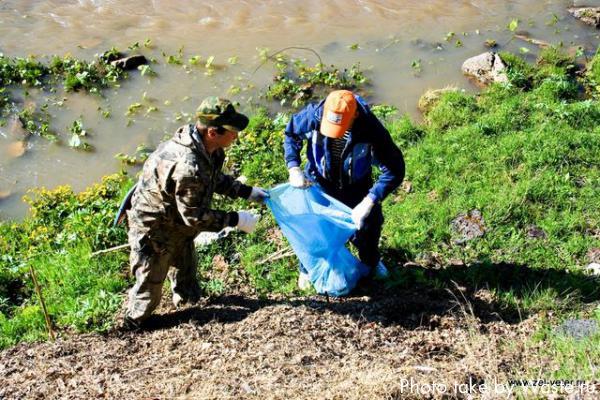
x=153 y=258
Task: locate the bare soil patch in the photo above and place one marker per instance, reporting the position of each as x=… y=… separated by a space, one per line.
x=240 y=346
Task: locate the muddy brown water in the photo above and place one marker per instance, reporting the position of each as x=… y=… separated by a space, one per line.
x=390 y=35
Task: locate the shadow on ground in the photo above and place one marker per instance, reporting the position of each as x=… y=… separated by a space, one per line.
x=415 y=297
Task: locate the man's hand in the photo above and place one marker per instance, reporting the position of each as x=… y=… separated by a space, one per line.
x=258 y=194
x=246 y=221
x=297 y=178
x=362 y=211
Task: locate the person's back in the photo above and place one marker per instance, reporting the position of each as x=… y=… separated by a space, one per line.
x=154 y=203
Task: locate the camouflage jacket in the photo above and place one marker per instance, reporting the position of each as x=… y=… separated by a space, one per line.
x=175 y=189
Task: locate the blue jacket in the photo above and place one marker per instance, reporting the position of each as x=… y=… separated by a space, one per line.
x=368 y=143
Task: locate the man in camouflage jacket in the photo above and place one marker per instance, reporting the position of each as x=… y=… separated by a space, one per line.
x=172 y=204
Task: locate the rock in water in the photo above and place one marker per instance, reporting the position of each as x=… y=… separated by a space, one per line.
x=16 y=149
x=486 y=68
x=588 y=15
x=131 y=62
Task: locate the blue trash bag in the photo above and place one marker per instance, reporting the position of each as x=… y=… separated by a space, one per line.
x=318 y=228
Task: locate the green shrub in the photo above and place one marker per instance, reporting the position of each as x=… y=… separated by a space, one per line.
x=81 y=292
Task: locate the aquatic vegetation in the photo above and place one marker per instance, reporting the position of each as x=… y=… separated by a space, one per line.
x=73 y=74
x=140 y=155
x=146 y=70
x=91 y=76
x=77 y=135
x=297 y=83
x=37 y=122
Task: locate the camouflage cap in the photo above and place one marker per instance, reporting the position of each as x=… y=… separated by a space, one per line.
x=214 y=111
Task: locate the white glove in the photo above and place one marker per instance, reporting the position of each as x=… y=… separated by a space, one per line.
x=246 y=221
x=258 y=194
x=362 y=211
x=297 y=178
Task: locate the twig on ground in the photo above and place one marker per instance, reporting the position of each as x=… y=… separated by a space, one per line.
x=43 y=303
x=116 y=248
x=279 y=254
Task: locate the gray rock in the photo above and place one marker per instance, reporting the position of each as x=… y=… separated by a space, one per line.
x=593 y=269
x=468 y=226
x=486 y=68
x=431 y=97
x=588 y=15
x=578 y=328
x=130 y=62
x=534 y=232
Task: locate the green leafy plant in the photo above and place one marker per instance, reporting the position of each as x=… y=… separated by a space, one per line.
x=296 y=82
x=513 y=25
x=77 y=134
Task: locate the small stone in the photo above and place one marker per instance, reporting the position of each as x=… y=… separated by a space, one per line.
x=456 y=262
x=578 y=328
x=247 y=388
x=131 y=62
x=468 y=226
x=534 y=232
x=593 y=269
x=407 y=186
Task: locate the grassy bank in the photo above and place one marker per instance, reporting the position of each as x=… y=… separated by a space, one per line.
x=517 y=164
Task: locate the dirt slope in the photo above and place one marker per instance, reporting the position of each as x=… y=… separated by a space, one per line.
x=242 y=347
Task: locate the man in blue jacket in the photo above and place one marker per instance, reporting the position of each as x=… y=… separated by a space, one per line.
x=344 y=139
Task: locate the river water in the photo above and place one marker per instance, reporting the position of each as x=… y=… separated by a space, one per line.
x=386 y=36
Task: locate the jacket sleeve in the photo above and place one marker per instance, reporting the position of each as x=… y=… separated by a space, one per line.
x=389 y=158
x=190 y=192
x=227 y=185
x=295 y=132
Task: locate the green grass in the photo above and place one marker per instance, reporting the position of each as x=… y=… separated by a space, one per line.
x=525 y=154
x=572 y=358
x=81 y=292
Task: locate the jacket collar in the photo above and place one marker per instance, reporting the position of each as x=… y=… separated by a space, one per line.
x=189 y=136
